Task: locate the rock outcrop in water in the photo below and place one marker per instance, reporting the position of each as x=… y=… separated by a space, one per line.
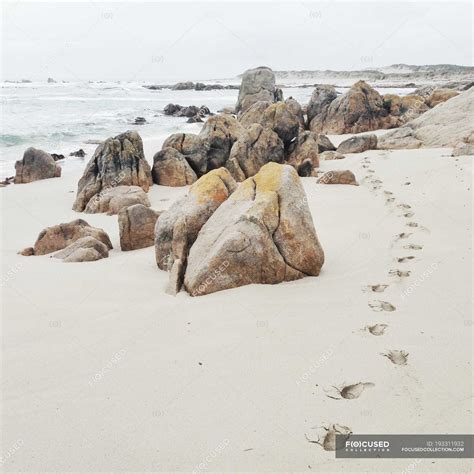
x=36 y=165
x=117 y=161
x=263 y=233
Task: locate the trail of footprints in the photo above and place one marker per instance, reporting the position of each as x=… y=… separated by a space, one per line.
x=327 y=439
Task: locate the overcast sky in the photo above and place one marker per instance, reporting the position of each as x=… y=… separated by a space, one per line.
x=199 y=40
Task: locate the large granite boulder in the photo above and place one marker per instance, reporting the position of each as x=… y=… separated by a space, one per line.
x=263 y=233
x=177 y=228
x=281 y=120
x=254 y=114
x=85 y=249
x=358 y=144
x=338 y=177
x=295 y=108
x=36 y=165
x=318 y=105
x=255 y=147
x=58 y=237
x=303 y=153
x=170 y=168
x=137 y=227
x=192 y=147
x=117 y=161
x=361 y=109
x=114 y=199
x=257 y=84
x=220 y=132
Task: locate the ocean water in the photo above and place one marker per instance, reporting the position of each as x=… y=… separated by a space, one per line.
x=63 y=117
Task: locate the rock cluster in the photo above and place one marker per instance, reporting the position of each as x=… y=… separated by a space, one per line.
x=223 y=236
x=193 y=112
x=36 y=165
x=58 y=237
x=85 y=249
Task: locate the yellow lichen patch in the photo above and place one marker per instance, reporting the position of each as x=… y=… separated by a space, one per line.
x=211 y=187
x=245 y=191
x=270 y=176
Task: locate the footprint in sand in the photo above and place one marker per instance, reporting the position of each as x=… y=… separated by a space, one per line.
x=388 y=193
x=370 y=171
x=409 y=214
x=397 y=357
x=377 y=329
x=404 y=206
x=329 y=439
x=350 y=392
x=400 y=273
x=416 y=225
x=405 y=259
x=403 y=235
x=389 y=200
x=375 y=288
x=413 y=247
x=378 y=305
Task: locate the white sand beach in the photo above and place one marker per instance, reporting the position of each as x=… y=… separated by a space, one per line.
x=104 y=372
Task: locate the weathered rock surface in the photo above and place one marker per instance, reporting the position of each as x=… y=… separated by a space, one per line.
x=360 y=109
x=263 y=233
x=257 y=84
x=117 y=161
x=324 y=144
x=177 y=228
x=402 y=109
x=85 y=249
x=303 y=153
x=256 y=147
x=36 y=165
x=137 y=227
x=443 y=126
x=465 y=147
x=114 y=199
x=281 y=120
x=192 y=147
x=440 y=95
x=58 y=237
x=331 y=155
x=170 y=168
x=295 y=108
x=358 y=144
x=254 y=114
x=318 y=105
x=401 y=138
x=338 y=177
x=220 y=132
